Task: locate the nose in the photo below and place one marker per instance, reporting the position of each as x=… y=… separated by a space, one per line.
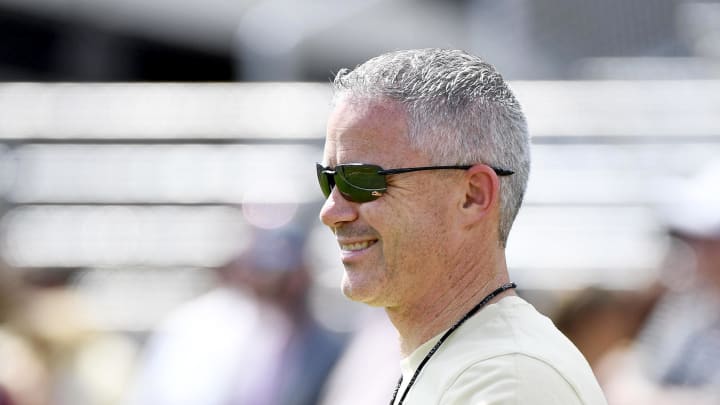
x=337 y=210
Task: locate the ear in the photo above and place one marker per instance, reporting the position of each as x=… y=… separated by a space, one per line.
x=481 y=192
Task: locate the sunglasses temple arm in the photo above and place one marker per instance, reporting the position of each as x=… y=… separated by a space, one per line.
x=417 y=169
x=502 y=172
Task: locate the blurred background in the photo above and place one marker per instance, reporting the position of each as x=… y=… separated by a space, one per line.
x=150 y=152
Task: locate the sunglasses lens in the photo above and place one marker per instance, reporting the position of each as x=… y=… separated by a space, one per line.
x=357 y=182
x=324 y=179
x=360 y=182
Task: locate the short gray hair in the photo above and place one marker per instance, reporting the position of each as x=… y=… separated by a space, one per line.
x=460 y=111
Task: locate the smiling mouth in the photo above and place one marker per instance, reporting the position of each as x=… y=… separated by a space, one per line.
x=353 y=247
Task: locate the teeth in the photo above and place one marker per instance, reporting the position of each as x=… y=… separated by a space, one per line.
x=357 y=246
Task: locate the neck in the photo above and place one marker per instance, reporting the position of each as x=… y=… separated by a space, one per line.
x=451 y=297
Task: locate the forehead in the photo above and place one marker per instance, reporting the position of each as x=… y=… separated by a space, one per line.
x=368 y=131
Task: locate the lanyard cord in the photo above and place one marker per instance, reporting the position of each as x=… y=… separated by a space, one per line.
x=444 y=337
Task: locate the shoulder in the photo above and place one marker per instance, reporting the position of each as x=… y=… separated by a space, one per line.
x=515 y=354
x=514 y=379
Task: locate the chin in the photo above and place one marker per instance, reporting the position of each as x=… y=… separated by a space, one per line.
x=360 y=291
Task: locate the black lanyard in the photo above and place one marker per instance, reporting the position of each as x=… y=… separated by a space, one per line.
x=444 y=337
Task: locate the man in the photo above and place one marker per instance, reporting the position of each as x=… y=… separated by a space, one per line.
x=427 y=242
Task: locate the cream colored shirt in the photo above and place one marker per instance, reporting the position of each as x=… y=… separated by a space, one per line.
x=508 y=353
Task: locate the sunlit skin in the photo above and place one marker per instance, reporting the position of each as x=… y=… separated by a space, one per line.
x=427 y=249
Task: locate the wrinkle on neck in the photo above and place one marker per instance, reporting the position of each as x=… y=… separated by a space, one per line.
x=453 y=295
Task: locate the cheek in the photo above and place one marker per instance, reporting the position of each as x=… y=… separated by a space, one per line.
x=412 y=233
x=394 y=223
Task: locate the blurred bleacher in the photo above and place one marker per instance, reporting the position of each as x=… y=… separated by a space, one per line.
x=136 y=187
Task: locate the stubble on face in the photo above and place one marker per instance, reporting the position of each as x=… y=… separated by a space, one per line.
x=405 y=223
x=363 y=131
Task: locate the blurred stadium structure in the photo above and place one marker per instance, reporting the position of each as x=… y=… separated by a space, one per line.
x=106 y=40
x=134 y=188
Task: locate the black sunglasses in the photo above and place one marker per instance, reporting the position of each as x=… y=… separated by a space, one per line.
x=361 y=182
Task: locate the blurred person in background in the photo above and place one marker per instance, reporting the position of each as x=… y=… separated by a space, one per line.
x=52 y=352
x=249 y=341
x=24 y=374
x=600 y=321
x=425 y=165
x=675 y=358
x=371 y=356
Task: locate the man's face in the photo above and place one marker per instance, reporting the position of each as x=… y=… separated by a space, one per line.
x=391 y=247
